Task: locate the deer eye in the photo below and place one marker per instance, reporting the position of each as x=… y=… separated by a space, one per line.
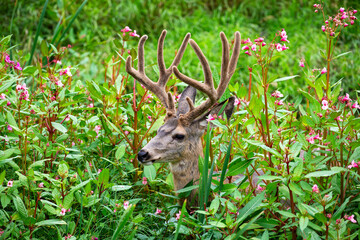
x=179 y=136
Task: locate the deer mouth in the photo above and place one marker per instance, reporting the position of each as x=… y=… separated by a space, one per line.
x=149 y=162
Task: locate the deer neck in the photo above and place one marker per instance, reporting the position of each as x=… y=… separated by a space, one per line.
x=187 y=168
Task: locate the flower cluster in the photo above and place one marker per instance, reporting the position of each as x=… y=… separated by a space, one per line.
x=24 y=94
x=353 y=164
x=127 y=29
x=311 y=139
x=341 y=19
x=66 y=71
x=315 y=188
x=12 y=64
x=350 y=218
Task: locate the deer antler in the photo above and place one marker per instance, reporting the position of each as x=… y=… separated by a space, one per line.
x=158 y=88
x=227 y=70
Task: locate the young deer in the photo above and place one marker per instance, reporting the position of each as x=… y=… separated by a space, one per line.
x=178 y=140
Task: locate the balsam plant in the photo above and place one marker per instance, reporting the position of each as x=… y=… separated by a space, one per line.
x=284 y=167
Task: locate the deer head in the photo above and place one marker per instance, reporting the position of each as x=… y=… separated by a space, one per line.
x=178 y=140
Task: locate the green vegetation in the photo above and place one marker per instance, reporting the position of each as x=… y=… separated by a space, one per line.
x=73 y=120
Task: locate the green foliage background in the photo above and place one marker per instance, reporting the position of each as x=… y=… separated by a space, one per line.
x=94 y=30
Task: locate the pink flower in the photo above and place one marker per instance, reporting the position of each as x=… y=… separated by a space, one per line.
x=253 y=47
x=260 y=39
x=339 y=119
x=301 y=63
x=99 y=171
x=65 y=71
x=7 y=59
x=133 y=34
x=144 y=182
x=2 y=96
x=248 y=53
x=355 y=105
x=149 y=117
x=323 y=70
x=41 y=185
x=18 y=87
x=10 y=183
x=317 y=137
x=126 y=132
x=315 y=188
x=346 y=98
x=355 y=11
x=59 y=83
x=178 y=215
x=279 y=102
x=63 y=211
x=259 y=188
x=126 y=205
x=350 y=218
x=97 y=129
x=158 y=211
x=352 y=22
x=247 y=40
x=284 y=47
x=277 y=94
x=353 y=165
x=9 y=128
x=8 y=103
x=345 y=24
x=283 y=36
x=237 y=102
x=323 y=28
x=311 y=140
x=210 y=118
x=325 y=105
x=126 y=29
x=246 y=47
x=91 y=105
x=263 y=44
x=114 y=210
x=18 y=67
x=342 y=9
x=278 y=47
x=58 y=62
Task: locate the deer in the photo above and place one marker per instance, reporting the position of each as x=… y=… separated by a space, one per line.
x=178 y=140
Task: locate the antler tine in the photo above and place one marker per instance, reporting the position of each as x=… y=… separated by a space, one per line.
x=235 y=54
x=161 y=62
x=157 y=88
x=227 y=70
x=165 y=73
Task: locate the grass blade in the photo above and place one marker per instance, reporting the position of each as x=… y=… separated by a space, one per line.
x=71 y=22
x=124 y=218
x=183 y=210
x=37 y=32
x=226 y=163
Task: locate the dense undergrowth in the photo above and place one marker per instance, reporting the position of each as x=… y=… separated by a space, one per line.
x=72 y=121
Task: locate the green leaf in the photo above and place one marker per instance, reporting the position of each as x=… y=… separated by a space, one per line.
x=325 y=173
x=50 y=222
x=120 y=152
x=20 y=206
x=11 y=119
x=68 y=200
x=285 y=78
x=286 y=214
x=256 y=105
x=356 y=155
x=44 y=48
x=338 y=212
x=238 y=167
x=263 y=146
x=187 y=189
x=298 y=169
x=304 y=221
x=250 y=207
x=59 y=127
x=117 y=188
x=104 y=176
x=341 y=54
x=150 y=172
x=2 y=177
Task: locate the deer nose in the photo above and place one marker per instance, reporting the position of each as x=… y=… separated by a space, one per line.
x=143 y=155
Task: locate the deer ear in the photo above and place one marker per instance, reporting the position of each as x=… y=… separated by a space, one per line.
x=183 y=106
x=219 y=110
